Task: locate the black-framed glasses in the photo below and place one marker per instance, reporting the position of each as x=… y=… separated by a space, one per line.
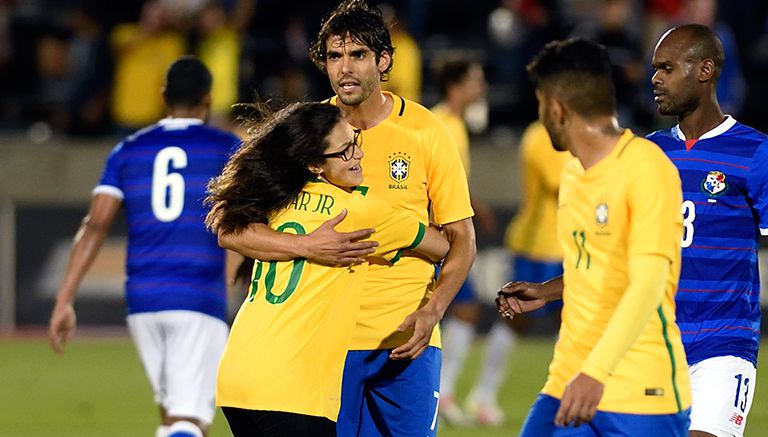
x=349 y=151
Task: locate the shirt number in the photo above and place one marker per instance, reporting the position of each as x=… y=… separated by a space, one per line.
x=167 y=186
x=737 y=402
x=580 y=240
x=689 y=214
x=269 y=279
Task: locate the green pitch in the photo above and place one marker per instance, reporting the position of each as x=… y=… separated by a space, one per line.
x=98 y=388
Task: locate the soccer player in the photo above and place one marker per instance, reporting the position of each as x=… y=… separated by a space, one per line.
x=619 y=366
x=723 y=166
x=461 y=82
x=175 y=291
x=537 y=257
x=280 y=374
x=392 y=372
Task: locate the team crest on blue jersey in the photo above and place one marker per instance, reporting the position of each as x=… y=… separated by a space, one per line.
x=601 y=214
x=714 y=185
x=399 y=166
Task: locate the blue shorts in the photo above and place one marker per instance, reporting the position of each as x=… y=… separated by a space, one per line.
x=529 y=270
x=541 y=423
x=380 y=396
x=466 y=293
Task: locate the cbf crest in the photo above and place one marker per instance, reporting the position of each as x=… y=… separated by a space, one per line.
x=714 y=185
x=601 y=214
x=399 y=167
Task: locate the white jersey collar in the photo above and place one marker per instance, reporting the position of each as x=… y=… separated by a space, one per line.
x=179 y=123
x=719 y=130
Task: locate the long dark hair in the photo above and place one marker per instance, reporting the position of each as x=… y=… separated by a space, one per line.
x=270 y=168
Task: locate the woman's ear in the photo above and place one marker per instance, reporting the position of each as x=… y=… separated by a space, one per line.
x=315 y=169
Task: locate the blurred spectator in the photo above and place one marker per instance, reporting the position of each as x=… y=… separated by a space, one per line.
x=143 y=51
x=91 y=70
x=405 y=77
x=613 y=29
x=219 y=49
x=462 y=83
x=730 y=88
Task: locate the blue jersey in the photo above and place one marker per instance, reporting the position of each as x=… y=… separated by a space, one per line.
x=725 y=209
x=161 y=174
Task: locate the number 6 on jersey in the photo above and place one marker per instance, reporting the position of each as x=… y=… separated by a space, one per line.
x=168 y=187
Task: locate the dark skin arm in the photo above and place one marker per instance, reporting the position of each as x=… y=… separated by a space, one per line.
x=461 y=235
x=322 y=246
x=582 y=393
x=86 y=246
x=520 y=297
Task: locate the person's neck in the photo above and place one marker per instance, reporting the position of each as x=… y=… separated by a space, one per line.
x=370 y=112
x=456 y=106
x=701 y=120
x=591 y=140
x=199 y=112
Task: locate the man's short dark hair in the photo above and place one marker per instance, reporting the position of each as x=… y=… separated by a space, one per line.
x=187 y=82
x=452 y=71
x=363 y=24
x=577 y=71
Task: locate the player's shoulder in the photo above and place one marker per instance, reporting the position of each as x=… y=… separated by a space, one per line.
x=643 y=155
x=139 y=136
x=662 y=135
x=748 y=136
x=221 y=136
x=414 y=115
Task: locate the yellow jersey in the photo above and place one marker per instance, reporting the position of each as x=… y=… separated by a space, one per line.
x=220 y=52
x=458 y=130
x=532 y=232
x=288 y=343
x=627 y=204
x=140 y=67
x=412 y=162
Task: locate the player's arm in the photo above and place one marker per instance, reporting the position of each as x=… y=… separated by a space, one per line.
x=648 y=275
x=520 y=297
x=434 y=244
x=87 y=243
x=757 y=186
x=324 y=245
x=458 y=261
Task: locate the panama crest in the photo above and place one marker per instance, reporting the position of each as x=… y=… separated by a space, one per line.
x=399 y=165
x=714 y=185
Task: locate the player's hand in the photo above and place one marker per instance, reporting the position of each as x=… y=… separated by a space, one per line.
x=579 y=402
x=519 y=297
x=422 y=321
x=61 y=326
x=326 y=246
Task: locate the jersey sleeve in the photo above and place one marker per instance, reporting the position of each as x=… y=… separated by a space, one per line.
x=757 y=186
x=654 y=199
x=447 y=186
x=396 y=230
x=111 y=183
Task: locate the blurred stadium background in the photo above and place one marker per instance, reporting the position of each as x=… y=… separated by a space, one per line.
x=68 y=93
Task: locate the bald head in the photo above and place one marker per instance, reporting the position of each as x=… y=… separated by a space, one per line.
x=687 y=63
x=695 y=43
